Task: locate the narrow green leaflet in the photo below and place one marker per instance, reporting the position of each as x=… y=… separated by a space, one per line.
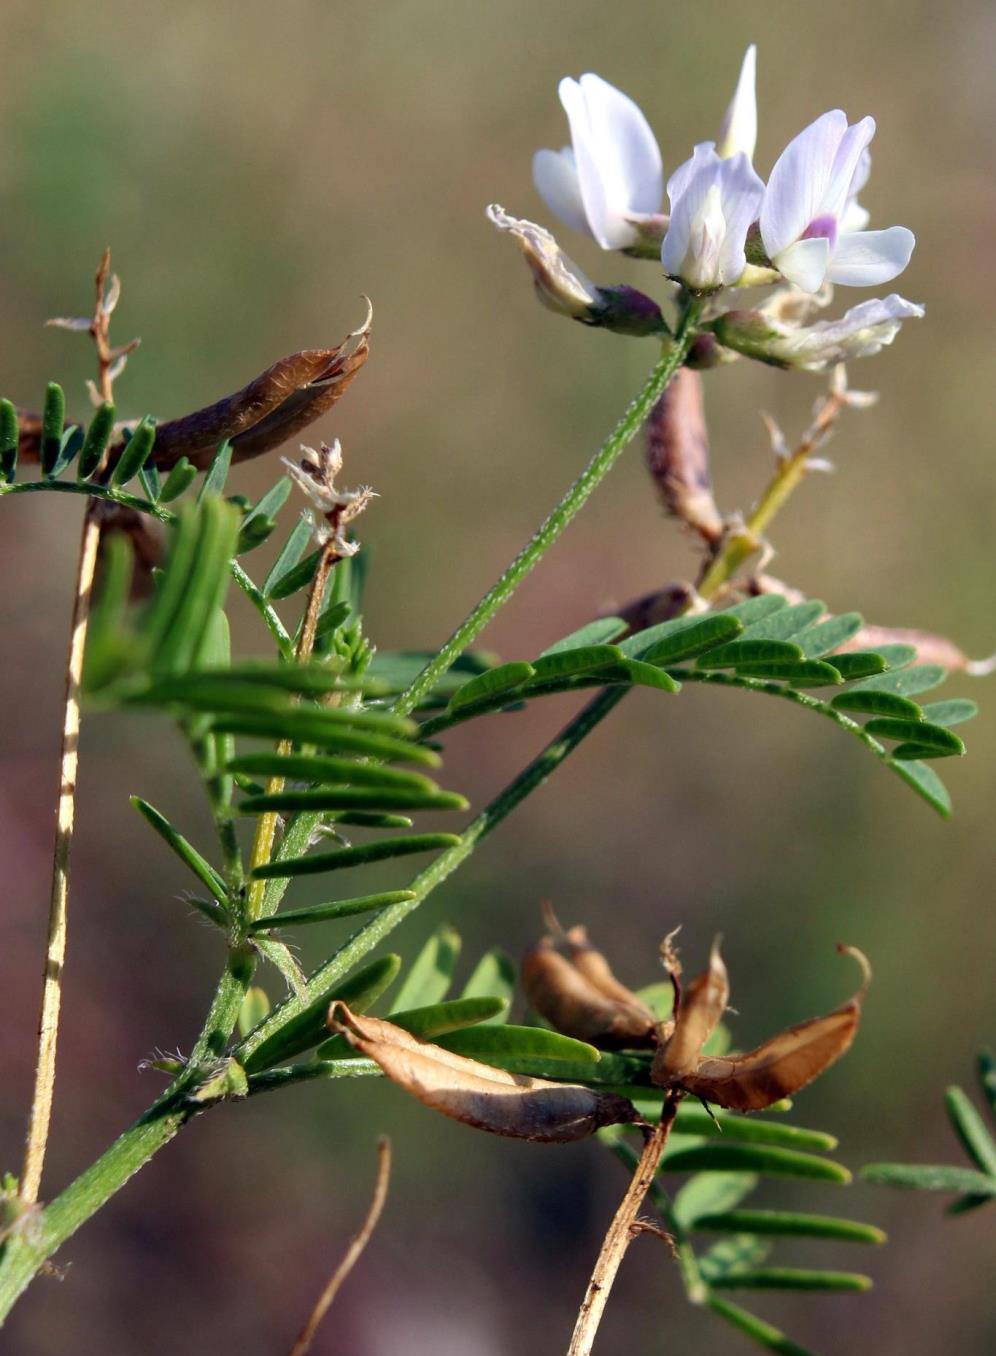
x=599 y=632
x=494 y=975
x=431 y=973
x=427 y=1023
x=53 y=418
x=181 y=477
x=791 y=1278
x=514 y=1047
x=764 y=1334
x=950 y=712
x=826 y=636
x=748 y=651
x=504 y=678
x=135 y=453
x=9 y=440
x=788 y=1223
x=765 y=1160
x=584 y=659
x=694 y=1120
x=930 y=1177
x=737 y=1254
x=324 y=913
x=711 y=1193
x=187 y=853
x=926 y=783
x=217 y=473
x=378 y=851
x=674 y=641
x=353 y=798
x=330 y=770
x=308 y=1027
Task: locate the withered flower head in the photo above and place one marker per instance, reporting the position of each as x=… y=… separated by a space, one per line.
x=332 y=509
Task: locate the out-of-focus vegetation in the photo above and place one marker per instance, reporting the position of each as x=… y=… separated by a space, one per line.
x=256 y=168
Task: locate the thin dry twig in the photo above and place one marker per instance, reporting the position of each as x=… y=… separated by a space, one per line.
x=353 y=1252
x=55 y=949
x=621 y=1232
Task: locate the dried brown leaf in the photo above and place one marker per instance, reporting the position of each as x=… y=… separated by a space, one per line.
x=486 y=1098
x=784 y=1064
x=702 y=1005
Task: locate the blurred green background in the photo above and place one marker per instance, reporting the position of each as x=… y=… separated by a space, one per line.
x=256 y=167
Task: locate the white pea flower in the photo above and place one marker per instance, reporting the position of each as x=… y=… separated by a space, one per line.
x=860 y=332
x=809 y=211
x=713 y=204
x=739 y=128
x=611 y=171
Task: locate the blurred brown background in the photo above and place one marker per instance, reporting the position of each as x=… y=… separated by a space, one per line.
x=255 y=168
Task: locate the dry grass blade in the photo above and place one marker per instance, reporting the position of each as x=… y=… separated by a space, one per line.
x=353 y=1252
x=486 y=1098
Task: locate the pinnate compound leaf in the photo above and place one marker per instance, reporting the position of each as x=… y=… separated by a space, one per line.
x=477 y=1094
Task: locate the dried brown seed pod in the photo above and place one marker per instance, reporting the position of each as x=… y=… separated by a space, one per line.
x=574 y=1006
x=696 y=1017
x=782 y=1065
x=477 y=1094
x=678 y=456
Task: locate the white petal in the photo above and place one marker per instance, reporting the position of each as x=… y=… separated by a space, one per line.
x=868 y=258
x=739 y=129
x=713 y=203
x=556 y=180
x=743 y=191
x=805 y=263
x=618 y=161
x=846 y=167
x=799 y=181
x=703 y=154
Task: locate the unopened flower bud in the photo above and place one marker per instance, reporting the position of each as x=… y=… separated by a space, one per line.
x=861 y=332
x=562 y=287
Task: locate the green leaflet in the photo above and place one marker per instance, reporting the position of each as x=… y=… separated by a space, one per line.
x=135 y=453
x=514 y=1047
x=732 y=1256
x=694 y=1120
x=800 y=673
x=747 y=651
x=360 y=990
x=827 y=636
x=53 y=418
x=342 y=740
x=755 y=1328
x=353 y=798
x=494 y=975
x=927 y=738
x=377 y=851
x=788 y=1223
x=930 y=1177
x=9 y=441
x=95 y=442
x=330 y=770
x=599 y=632
x=502 y=679
x=312 y=724
x=683 y=638
x=904 y=682
x=187 y=853
x=791 y=1278
x=431 y=973
x=181 y=477
x=323 y=913
x=873 y=702
x=756 y=610
x=858 y=664
x=255 y=1007
x=926 y=783
x=259 y=521
x=971 y=1130
x=427 y=1023
x=769 y=1161
x=584 y=659
x=217 y=473
x=787 y=622
x=950 y=712
x=710 y=1193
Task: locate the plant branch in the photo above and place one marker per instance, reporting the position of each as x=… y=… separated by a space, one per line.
x=577 y=495
x=353 y=1252
x=620 y=1234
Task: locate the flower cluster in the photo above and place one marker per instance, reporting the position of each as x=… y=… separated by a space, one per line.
x=725 y=227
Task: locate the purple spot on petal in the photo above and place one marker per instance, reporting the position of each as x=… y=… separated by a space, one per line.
x=822 y=228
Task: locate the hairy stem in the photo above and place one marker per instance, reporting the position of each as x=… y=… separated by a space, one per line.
x=266 y=825
x=577 y=495
x=620 y=1234
x=58 y=914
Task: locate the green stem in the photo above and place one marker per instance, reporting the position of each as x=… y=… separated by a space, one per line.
x=601 y=463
